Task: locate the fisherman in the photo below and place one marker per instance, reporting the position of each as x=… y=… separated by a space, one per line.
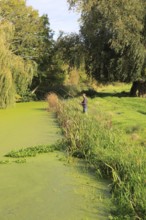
x=84 y=103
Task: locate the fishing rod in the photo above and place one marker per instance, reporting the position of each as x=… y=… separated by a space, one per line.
x=56 y=91
x=69 y=95
x=77 y=103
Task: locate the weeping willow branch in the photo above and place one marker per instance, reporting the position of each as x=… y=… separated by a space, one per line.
x=15 y=73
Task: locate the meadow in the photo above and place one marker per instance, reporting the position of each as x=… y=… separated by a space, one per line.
x=126 y=113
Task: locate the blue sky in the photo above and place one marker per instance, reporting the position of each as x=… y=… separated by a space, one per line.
x=61 y=19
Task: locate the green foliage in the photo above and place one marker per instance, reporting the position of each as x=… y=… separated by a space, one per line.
x=26 y=24
x=31 y=43
x=114 y=38
x=31 y=151
x=70 y=49
x=6 y=83
x=50 y=71
x=15 y=73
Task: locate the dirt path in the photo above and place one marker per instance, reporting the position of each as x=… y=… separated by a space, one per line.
x=45 y=187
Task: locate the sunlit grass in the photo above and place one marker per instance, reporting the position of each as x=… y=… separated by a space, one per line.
x=126 y=113
x=114 y=88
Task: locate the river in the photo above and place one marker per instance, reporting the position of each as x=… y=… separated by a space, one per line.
x=46 y=187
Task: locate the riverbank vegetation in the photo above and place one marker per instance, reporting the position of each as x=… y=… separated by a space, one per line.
x=105 y=147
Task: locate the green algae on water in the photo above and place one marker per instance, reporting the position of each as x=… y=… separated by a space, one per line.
x=46 y=188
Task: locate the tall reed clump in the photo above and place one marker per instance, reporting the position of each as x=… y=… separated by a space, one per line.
x=104 y=148
x=53 y=101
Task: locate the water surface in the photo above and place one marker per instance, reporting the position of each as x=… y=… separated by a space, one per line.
x=45 y=187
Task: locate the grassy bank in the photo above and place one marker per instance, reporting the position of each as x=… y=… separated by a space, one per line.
x=107 y=149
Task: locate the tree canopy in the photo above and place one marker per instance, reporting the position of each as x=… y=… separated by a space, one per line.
x=111 y=46
x=70 y=48
x=29 y=41
x=114 y=36
x=15 y=72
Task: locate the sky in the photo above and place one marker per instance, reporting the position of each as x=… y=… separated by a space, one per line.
x=60 y=17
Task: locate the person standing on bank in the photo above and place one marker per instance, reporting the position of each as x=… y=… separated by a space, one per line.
x=84 y=103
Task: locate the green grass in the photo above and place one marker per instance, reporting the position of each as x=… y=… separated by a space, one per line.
x=126 y=113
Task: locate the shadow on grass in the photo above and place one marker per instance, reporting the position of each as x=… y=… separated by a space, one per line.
x=142 y=112
x=40 y=109
x=117 y=94
x=93 y=94
x=66 y=92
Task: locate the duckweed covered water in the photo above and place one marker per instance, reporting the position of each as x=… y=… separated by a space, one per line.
x=45 y=187
x=25 y=125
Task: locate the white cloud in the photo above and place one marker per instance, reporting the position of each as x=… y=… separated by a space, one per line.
x=59 y=15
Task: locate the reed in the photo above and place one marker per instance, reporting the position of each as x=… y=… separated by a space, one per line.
x=53 y=101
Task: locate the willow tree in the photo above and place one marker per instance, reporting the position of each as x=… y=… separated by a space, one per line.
x=33 y=41
x=114 y=36
x=26 y=24
x=6 y=82
x=15 y=73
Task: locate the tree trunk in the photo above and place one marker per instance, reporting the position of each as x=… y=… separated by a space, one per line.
x=133 y=91
x=138 y=89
